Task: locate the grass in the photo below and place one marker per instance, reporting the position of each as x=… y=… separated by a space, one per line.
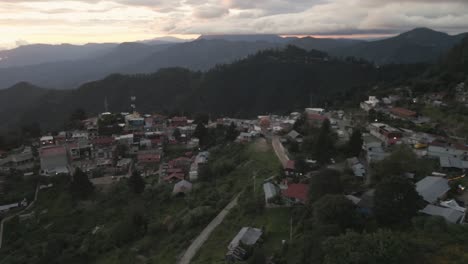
x=263 y=162
x=171 y=227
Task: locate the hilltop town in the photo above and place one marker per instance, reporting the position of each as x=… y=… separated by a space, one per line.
x=356 y=160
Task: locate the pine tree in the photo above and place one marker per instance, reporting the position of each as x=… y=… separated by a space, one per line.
x=325 y=144
x=136 y=183
x=355 y=143
x=81 y=187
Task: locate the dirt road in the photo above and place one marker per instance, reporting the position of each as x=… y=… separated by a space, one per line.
x=279 y=150
x=198 y=242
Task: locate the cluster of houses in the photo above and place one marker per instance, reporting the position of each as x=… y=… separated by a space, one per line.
x=137 y=144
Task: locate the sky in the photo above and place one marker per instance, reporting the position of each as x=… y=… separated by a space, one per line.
x=83 y=21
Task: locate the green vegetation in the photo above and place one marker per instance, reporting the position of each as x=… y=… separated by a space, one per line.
x=121 y=226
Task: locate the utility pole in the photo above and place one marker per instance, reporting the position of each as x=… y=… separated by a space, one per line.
x=254 y=181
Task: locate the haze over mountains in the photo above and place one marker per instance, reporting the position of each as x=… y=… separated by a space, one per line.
x=68 y=66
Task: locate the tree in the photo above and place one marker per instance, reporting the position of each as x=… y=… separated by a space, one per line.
x=325 y=182
x=355 y=142
x=383 y=247
x=232 y=132
x=81 y=187
x=335 y=209
x=136 y=182
x=176 y=134
x=401 y=160
x=396 y=201
x=258 y=257
x=201 y=133
x=325 y=144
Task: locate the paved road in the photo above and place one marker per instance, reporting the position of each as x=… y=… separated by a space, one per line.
x=198 y=242
x=279 y=150
x=4 y=220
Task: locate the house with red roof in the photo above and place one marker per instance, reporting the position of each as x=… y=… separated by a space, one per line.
x=290 y=168
x=54 y=160
x=404 y=113
x=296 y=193
x=315 y=119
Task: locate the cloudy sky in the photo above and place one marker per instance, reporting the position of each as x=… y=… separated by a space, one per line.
x=82 y=21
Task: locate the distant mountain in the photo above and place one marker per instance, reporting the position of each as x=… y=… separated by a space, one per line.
x=246 y=38
x=43 y=53
x=323 y=44
x=201 y=54
x=418 y=45
x=70 y=74
x=133 y=58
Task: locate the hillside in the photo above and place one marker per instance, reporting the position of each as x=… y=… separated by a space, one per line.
x=271 y=81
x=418 y=45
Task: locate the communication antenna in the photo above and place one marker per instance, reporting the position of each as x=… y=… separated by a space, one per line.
x=133 y=105
x=106 y=105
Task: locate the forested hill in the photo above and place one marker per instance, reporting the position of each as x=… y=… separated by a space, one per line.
x=273 y=81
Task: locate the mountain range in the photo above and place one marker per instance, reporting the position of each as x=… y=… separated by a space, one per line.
x=69 y=66
x=271 y=81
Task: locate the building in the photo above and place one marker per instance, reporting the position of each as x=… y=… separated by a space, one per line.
x=450 y=215
x=387 y=134
x=290 y=168
x=449 y=155
x=296 y=193
x=356 y=166
x=373 y=149
x=294 y=136
x=47 y=140
x=371 y=103
x=182 y=187
x=271 y=192
x=398 y=112
x=54 y=160
x=200 y=160
x=247 y=236
x=432 y=188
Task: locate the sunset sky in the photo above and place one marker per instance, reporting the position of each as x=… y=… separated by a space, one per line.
x=83 y=21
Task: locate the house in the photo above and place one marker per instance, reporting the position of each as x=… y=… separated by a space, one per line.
x=125 y=139
x=403 y=113
x=290 y=168
x=387 y=134
x=174 y=177
x=450 y=155
x=296 y=193
x=148 y=159
x=247 y=237
x=449 y=214
x=295 y=136
x=182 y=187
x=315 y=119
x=8 y=207
x=179 y=121
x=47 y=140
x=373 y=149
x=318 y=111
x=271 y=192
x=21 y=159
x=54 y=160
x=181 y=162
x=200 y=159
x=371 y=103
x=123 y=166
x=432 y=188
x=356 y=166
